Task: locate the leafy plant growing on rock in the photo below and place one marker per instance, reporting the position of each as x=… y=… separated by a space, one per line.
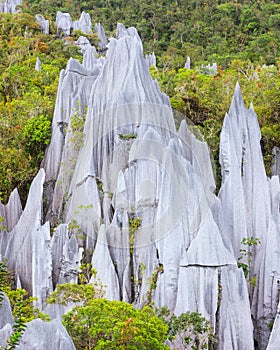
x=190 y=328
x=246 y=256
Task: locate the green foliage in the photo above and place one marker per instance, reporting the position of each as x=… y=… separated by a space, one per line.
x=134 y=224
x=204 y=30
x=127 y=136
x=105 y=324
x=36 y=134
x=245 y=259
x=232 y=34
x=77 y=122
x=71 y=293
x=27 y=97
x=153 y=283
x=191 y=328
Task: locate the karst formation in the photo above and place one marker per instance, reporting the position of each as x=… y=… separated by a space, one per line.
x=127 y=189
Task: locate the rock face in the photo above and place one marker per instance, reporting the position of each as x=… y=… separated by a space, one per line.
x=83 y=24
x=65 y=24
x=128 y=193
x=45 y=335
x=250 y=205
x=99 y=30
x=43 y=23
x=6 y=320
x=274 y=339
x=151 y=60
x=6 y=316
x=9 y=6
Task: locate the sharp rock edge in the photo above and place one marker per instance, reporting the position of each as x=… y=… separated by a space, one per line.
x=137 y=197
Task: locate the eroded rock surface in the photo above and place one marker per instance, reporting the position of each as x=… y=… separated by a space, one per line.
x=9 y=6
x=45 y=335
x=127 y=192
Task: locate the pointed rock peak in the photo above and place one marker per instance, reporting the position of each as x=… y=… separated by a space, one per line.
x=36 y=190
x=75 y=66
x=237 y=88
x=149 y=133
x=122 y=32
x=183 y=127
x=207 y=248
x=14 y=197
x=237 y=103
x=251 y=108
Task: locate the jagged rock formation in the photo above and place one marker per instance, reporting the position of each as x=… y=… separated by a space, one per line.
x=83 y=24
x=99 y=30
x=151 y=60
x=44 y=336
x=188 y=63
x=43 y=23
x=274 y=339
x=129 y=193
x=38 y=65
x=63 y=23
x=9 y=6
x=6 y=320
x=5 y=311
x=251 y=209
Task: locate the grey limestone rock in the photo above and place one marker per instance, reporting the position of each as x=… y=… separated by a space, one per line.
x=83 y=43
x=6 y=316
x=188 y=63
x=250 y=208
x=38 y=65
x=43 y=23
x=274 y=339
x=151 y=60
x=28 y=250
x=105 y=268
x=9 y=6
x=44 y=336
x=12 y=211
x=137 y=197
x=99 y=30
x=66 y=256
x=64 y=23
x=134 y=165
x=5 y=334
x=83 y=24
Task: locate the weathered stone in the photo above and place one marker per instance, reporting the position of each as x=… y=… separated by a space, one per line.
x=105 y=268
x=83 y=43
x=12 y=211
x=64 y=23
x=43 y=23
x=274 y=339
x=5 y=334
x=5 y=311
x=151 y=60
x=83 y=24
x=188 y=63
x=38 y=65
x=44 y=336
x=99 y=30
x=9 y=6
x=138 y=198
